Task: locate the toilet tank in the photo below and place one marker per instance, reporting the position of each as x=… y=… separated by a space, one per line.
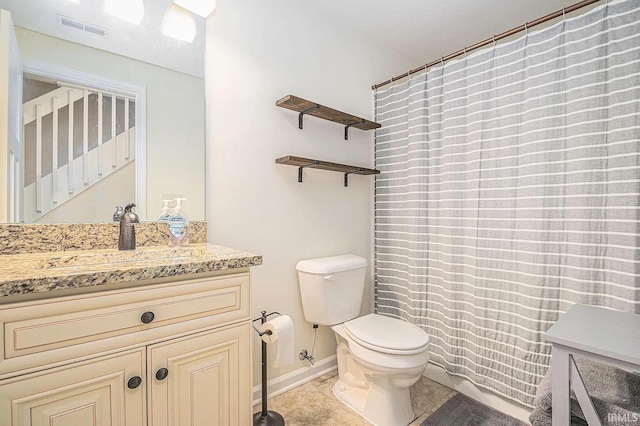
x=331 y=288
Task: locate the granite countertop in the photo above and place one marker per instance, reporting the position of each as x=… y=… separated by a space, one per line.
x=42 y=272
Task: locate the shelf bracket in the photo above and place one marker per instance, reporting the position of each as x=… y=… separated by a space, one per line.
x=300 y=168
x=302 y=113
x=346 y=176
x=346 y=129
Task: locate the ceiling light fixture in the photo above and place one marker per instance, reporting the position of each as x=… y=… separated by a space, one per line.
x=128 y=10
x=179 y=24
x=203 y=8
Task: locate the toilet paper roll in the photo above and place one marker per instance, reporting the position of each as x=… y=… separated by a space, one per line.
x=281 y=333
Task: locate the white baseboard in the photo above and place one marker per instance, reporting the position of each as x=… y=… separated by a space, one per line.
x=303 y=375
x=295 y=378
x=466 y=387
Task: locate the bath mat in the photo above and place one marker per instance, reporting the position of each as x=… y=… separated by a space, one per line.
x=463 y=411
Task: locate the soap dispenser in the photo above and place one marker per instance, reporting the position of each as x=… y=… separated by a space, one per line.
x=178 y=226
x=166 y=212
x=117 y=215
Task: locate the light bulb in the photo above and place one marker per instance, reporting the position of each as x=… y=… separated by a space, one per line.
x=179 y=24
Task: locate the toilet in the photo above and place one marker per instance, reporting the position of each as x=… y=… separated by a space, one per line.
x=379 y=357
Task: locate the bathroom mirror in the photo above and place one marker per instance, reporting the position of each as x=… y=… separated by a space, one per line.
x=155 y=85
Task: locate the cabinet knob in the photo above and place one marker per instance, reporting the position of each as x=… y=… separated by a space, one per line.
x=162 y=374
x=134 y=382
x=147 y=317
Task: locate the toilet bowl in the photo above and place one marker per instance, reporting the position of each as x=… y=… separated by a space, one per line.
x=378 y=357
x=375 y=371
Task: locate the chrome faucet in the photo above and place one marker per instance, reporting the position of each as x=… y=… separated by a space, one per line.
x=127 y=240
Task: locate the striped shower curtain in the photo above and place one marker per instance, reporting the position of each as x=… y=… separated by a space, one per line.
x=510 y=191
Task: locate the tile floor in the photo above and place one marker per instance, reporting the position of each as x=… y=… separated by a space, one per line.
x=313 y=404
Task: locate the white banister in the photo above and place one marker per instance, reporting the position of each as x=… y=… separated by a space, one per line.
x=38 y=158
x=126 y=130
x=54 y=152
x=100 y=134
x=114 y=157
x=11 y=208
x=92 y=89
x=62 y=93
x=70 y=153
x=85 y=138
x=17 y=189
x=82 y=169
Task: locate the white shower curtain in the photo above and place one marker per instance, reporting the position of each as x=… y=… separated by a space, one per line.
x=510 y=191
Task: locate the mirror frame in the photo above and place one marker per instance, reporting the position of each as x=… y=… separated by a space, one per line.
x=107 y=84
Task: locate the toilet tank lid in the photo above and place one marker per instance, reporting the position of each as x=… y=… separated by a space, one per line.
x=332 y=264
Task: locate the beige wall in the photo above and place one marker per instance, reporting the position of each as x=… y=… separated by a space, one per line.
x=97 y=201
x=257 y=52
x=175 y=115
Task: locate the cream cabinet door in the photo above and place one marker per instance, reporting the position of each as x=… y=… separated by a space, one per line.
x=92 y=393
x=201 y=380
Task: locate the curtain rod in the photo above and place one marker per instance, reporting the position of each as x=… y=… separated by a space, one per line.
x=523 y=27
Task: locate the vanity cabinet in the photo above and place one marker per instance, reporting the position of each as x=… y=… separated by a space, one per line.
x=175 y=353
x=93 y=393
x=204 y=378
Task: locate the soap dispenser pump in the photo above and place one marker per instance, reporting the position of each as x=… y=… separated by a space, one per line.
x=166 y=211
x=127 y=239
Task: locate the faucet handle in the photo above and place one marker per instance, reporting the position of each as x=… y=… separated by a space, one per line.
x=129 y=217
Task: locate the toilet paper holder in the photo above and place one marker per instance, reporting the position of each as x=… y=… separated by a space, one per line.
x=263 y=319
x=265 y=417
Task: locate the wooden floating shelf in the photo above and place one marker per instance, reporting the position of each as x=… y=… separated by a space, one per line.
x=304 y=106
x=303 y=163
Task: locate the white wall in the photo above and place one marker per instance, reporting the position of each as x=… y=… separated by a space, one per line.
x=257 y=52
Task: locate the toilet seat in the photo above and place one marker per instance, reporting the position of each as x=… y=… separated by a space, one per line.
x=387 y=335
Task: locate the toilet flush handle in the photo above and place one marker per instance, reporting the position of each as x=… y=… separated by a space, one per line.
x=329 y=277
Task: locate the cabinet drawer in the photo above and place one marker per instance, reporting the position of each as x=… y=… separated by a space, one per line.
x=82 y=321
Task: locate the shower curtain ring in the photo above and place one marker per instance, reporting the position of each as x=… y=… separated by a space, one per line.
x=494 y=41
x=564 y=14
x=526 y=28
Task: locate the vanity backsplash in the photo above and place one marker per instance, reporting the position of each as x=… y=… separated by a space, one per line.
x=23 y=239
